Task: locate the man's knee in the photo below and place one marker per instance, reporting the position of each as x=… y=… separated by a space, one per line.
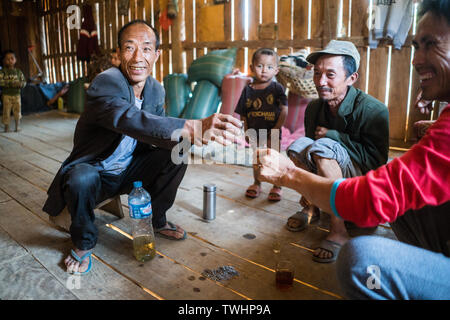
x=327 y=167
x=181 y=168
x=297 y=149
x=358 y=267
x=294 y=158
x=318 y=159
x=82 y=176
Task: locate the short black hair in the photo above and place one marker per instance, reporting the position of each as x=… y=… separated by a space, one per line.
x=3 y=55
x=6 y=52
x=119 y=38
x=440 y=8
x=349 y=65
x=266 y=51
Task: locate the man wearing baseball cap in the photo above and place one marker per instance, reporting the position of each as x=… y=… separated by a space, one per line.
x=346 y=135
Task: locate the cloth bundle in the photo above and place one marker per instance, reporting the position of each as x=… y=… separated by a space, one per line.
x=208 y=72
x=295 y=118
x=178 y=92
x=232 y=86
x=391 y=20
x=204 y=102
x=88 y=43
x=295 y=59
x=296 y=74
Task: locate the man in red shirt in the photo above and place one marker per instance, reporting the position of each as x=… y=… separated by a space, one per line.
x=412 y=192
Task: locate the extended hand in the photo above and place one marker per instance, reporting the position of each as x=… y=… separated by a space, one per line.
x=222 y=128
x=271 y=166
x=320 y=132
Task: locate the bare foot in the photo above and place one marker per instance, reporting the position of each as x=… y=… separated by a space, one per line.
x=73 y=265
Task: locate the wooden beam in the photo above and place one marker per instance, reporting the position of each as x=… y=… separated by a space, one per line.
x=253 y=44
x=285 y=24
x=359 y=41
x=331 y=12
x=177 y=50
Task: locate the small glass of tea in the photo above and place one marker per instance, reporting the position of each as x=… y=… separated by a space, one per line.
x=284 y=274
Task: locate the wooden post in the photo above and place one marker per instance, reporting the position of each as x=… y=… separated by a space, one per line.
x=330 y=19
x=177 y=50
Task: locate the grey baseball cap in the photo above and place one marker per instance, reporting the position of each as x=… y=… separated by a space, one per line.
x=336 y=47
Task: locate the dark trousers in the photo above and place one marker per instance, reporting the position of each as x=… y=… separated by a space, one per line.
x=428 y=228
x=85 y=187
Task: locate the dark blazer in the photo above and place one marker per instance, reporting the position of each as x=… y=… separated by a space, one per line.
x=109 y=114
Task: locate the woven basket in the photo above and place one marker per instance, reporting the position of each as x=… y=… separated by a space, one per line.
x=298 y=80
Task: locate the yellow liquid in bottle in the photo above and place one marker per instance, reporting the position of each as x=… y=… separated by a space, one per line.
x=144 y=248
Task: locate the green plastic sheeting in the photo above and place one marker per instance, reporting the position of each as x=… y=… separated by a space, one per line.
x=204 y=102
x=213 y=66
x=177 y=93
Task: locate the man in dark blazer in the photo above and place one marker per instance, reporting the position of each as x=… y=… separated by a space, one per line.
x=123 y=136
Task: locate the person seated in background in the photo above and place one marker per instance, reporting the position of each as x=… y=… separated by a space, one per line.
x=59 y=94
x=115 y=58
x=346 y=135
x=412 y=192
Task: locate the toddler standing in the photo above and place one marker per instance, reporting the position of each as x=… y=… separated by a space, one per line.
x=11 y=81
x=263 y=105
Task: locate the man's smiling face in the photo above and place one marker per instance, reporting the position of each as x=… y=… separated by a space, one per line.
x=432 y=57
x=138 y=53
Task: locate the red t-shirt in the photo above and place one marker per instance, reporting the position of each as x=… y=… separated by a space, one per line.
x=420 y=177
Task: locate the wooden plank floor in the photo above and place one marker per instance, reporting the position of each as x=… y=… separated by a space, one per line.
x=243 y=234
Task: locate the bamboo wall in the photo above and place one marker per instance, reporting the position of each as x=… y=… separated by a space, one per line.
x=300 y=24
x=19 y=31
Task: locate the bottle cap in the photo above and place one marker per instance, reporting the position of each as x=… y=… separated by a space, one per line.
x=209 y=187
x=137 y=184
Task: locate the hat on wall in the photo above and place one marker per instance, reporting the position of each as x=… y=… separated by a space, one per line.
x=336 y=47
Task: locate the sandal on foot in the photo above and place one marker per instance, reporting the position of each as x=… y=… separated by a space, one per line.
x=330 y=246
x=304 y=218
x=275 y=194
x=253 y=191
x=80 y=260
x=172 y=227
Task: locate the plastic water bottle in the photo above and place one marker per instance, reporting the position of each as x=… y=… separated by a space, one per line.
x=140 y=206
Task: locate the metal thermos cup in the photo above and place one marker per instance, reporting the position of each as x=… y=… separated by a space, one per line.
x=209 y=201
